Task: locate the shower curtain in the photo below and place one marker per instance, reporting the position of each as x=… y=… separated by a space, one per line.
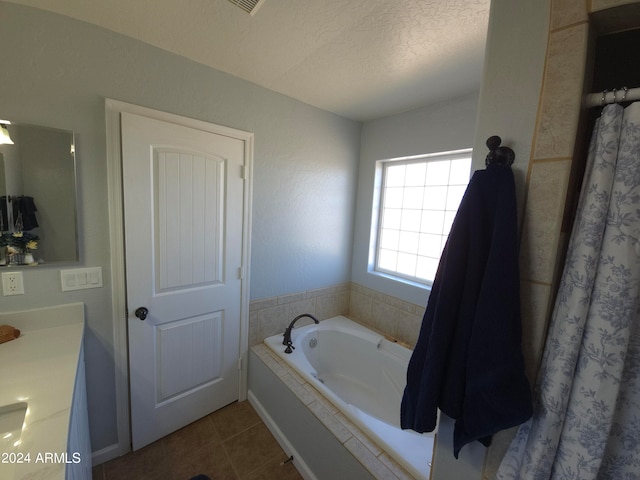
x=586 y=421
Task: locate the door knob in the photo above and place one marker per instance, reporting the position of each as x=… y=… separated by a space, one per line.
x=142 y=312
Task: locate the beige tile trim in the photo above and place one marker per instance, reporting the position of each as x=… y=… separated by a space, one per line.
x=395 y=318
x=262 y=303
x=366 y=451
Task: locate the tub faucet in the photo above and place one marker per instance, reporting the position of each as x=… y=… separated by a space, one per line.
x=287 y=333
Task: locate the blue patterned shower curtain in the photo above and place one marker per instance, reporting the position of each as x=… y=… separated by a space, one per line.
x=586 y=421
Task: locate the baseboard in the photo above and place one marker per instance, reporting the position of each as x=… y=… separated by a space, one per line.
x=105 y=454
x=298 y=461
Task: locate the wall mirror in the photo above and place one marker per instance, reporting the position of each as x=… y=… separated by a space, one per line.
x=37 y=194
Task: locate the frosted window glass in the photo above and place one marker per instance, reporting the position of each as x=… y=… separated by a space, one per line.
x=430 y=245
x=395 y=175
x=393 y=197
x=407 y=264
x=411 y=220
x=438 y=173
x=435 y=198
x=388 y=260
x=432 y=221
x=426 y=268
x=408 y=242
x=460 y=171
x=454 y=195
x=412 y=197
x=415 y=174
x=419 y=200
x=449 y=217
x=391 y=218
x=390 y=239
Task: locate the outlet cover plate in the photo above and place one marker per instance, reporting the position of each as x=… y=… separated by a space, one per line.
x=12 y=283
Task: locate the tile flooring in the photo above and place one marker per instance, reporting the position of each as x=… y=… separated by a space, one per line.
x=230 y=444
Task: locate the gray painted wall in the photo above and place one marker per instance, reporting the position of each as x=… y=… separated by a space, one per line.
x=514 y=64
x=442 y=127
x=57 y=72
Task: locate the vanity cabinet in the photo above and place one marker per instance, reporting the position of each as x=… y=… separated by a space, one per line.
x=79 y=443
x=42 y=378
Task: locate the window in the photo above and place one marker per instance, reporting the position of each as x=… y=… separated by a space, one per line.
x=419 y=200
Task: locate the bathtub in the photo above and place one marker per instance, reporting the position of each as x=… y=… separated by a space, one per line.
x=363 y=375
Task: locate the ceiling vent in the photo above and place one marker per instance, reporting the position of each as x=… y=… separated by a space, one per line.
x=249 y=6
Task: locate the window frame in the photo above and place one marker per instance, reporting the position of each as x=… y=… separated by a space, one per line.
x=379 y=202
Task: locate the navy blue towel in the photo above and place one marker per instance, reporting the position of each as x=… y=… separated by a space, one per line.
x=27 y=208
x=468 y=360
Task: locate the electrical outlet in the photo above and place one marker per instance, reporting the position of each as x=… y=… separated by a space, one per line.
x=12 y=283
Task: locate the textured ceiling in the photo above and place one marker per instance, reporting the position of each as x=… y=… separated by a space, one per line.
x=362 y=59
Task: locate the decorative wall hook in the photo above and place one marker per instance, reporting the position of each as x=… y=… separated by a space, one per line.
x=497 y=154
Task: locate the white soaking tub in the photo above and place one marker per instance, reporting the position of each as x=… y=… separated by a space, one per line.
x=363 y=375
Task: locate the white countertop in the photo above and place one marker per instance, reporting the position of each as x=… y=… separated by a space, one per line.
x=39 y=368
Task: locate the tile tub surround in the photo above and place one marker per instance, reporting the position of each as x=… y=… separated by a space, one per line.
x=390 y=316
x=270 y=316
x=369 y=454
x=39 y=368
x=555 y=137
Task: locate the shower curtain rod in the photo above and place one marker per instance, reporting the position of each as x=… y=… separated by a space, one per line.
x=599 y=99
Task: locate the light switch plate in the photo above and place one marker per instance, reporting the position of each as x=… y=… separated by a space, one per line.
x=81 y=278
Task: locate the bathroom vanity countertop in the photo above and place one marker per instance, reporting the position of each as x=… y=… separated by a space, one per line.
x=39 y=368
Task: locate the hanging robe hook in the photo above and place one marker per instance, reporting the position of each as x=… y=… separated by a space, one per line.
x=497 y=154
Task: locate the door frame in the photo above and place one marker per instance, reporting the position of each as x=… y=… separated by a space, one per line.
x=113 y=109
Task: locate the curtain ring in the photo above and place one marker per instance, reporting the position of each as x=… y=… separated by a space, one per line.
x=603 y=101
x=624 y=95
x=614 y=95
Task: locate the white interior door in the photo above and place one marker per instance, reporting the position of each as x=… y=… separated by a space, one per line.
x=183 y=197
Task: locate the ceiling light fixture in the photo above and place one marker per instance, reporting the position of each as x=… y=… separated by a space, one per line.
x=5 y=138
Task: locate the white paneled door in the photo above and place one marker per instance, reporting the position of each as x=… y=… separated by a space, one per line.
x=183 y=196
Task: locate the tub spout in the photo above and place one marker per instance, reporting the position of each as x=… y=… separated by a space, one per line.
x=287 y=333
